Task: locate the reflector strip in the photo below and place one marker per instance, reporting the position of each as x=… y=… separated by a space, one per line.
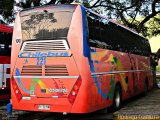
x=26 y=98
x=54 y=96
x=33 y=95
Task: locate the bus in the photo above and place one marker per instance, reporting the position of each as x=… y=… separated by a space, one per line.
x=68 y=59
x=5 y=56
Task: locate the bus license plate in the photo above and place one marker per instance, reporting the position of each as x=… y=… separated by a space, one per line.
x=44 y=107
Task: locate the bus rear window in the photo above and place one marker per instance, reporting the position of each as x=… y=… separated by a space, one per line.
x=45 y=24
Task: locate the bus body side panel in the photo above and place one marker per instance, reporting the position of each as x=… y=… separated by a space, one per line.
x=98 y=89
x=84 y=99
x=14 y=53
x=90 y=97
x=16 y=41
x=110 y=67
x=129 y=69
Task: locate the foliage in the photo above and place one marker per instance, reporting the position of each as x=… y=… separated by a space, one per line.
x=153 y=26
x=6 y=9
x=158 y=69
x=127 y=11
x=33 y=3
x=7 y=6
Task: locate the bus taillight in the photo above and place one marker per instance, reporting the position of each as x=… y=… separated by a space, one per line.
x=16 y=90
x=74 y=92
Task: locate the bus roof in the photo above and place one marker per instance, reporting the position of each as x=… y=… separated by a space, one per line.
x=5 y=28
x=45 y=6
x=68 y=6
x=114 y=22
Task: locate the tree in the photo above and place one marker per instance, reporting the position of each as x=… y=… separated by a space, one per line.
x=141 y=15
x=7 y=6
x=129 y=12
x=33 y=3
x=6 y=9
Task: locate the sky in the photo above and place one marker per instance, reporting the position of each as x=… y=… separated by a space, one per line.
x=155 y=43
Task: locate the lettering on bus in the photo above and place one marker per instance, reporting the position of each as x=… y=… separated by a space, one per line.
x=40 y=54
x=52 y=90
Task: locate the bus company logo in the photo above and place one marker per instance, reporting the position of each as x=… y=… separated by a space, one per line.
x=40 y=54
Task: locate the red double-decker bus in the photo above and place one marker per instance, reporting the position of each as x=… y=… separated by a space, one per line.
x=5 y=53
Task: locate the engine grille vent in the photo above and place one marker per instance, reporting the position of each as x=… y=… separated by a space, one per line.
x=46 y=45
x=31 y=70
x=56 y=70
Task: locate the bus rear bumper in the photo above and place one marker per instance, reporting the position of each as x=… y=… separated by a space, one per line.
x=44 y=105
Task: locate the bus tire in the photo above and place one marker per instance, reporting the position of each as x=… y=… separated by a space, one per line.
x=117 y=99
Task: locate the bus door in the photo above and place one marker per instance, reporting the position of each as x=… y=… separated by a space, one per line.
x=134 y=73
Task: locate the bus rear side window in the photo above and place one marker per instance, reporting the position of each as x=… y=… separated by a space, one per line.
x=45 y=25
x=108 y=35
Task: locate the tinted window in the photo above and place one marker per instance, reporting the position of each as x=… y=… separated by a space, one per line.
x=108 y=35
x=94 y=30
x=112 y=35
x=45 y=24
x=5 y=44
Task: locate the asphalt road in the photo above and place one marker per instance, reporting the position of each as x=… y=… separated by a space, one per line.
x=56 y=116
x=99 y=115
x=20 y=115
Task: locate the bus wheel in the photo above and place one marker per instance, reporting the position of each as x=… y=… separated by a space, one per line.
x=117 y=100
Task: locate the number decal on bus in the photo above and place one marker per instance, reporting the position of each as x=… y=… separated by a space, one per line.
x=41 y=61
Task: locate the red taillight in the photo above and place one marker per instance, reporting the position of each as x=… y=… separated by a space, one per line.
x=74 y=91
x=16 y=90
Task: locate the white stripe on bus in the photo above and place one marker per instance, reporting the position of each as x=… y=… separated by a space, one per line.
x=116 y=72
